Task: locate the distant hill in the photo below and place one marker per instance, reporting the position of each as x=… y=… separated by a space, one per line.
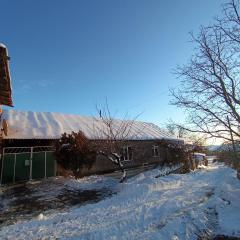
x=214 y=147
x=223 y=148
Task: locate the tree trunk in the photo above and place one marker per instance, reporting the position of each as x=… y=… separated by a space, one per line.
x=236 y=165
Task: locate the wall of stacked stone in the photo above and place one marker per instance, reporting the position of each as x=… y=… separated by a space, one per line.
x=142 y=155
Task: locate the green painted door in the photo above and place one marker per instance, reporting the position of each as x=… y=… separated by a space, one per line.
x=50 y=164
x=38 y=165
x=8 y=168
x=22 y=170
x=22 y=162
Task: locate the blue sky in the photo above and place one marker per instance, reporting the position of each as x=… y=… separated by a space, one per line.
x=68 y=56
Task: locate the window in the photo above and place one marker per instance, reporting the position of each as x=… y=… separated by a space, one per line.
x=155 y=151
x=127 y=153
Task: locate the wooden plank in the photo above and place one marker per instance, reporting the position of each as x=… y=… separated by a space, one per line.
x=5 y=79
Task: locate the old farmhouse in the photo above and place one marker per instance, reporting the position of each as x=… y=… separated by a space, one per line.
x=28 y=152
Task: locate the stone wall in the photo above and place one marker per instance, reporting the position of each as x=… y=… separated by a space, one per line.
x=142 y=155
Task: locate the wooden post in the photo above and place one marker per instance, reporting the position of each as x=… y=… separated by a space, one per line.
x=1 y=141
x=30 y=169
x=45 y=165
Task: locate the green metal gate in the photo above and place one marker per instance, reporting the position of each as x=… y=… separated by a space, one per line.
x=27 y=163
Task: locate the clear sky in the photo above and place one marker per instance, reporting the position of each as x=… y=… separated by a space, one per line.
x=69 y=55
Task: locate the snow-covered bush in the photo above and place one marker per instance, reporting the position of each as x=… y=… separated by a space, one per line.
x=180 y=153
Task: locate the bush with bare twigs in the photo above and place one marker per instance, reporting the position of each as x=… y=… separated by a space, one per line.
x=74 y=151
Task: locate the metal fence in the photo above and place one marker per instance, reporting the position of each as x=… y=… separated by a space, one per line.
x=27 y=163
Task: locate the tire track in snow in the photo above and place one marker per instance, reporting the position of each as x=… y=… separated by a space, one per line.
x=136 y=216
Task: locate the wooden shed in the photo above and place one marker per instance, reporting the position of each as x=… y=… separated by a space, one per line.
x=5 y=78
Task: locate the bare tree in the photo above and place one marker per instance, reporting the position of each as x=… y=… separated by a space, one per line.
x=175 y=129
x=114 y=134
x=210 y=81
x=181 y=131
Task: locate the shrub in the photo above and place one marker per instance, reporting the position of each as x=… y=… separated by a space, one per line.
x=74 y=152
x=181 y=153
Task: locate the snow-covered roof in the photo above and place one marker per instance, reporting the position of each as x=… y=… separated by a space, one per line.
x=2 y=45
x=48 y=125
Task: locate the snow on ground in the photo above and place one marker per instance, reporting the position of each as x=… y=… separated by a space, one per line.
x=92 y=182
x=25 y=201
x=111 y=180
x=170 y=207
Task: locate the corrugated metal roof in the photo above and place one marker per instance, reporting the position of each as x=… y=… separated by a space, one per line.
x=48 y=125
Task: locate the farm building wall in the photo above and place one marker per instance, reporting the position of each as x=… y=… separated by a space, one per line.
x=142 y=154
